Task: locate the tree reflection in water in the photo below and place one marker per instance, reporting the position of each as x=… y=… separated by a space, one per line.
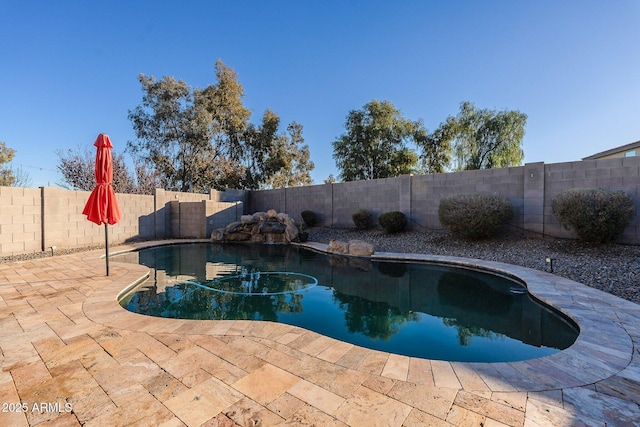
x=472 y=295
x=185 y=300
x=376 y=320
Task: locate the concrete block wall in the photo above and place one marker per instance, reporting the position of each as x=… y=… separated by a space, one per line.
x=316 y=198
x=137 y=217
x=162 y=202
x=20 y=220
x=219 y=214
x=64 y=225
x=377 y=196
x=428 y=190
x=188 y=219
x=530 y=188
x=197 y=220
x=622 y=173
x=263 y=200
x=34 y=219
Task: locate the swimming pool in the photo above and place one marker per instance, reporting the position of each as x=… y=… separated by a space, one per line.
x=414 y=309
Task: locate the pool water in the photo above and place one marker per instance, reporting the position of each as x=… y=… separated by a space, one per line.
x=413 y=309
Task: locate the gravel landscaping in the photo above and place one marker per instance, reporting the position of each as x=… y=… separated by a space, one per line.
x=612 y=268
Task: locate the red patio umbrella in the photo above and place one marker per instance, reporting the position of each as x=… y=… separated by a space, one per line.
x=102 y=206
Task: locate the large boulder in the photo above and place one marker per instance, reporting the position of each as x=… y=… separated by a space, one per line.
x=338 y=247
x=352 y=247
x=217 y=235
x=360 y=248
x=248 y=219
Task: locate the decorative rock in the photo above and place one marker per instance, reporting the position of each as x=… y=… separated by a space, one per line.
x=260 y=216
x=338 y=247
x=360 y=248
x=232 y=227
x=261 y=227
x=248 y=219
x=291 y=230
x=237 y=237
x=217 y=235
x=352 y=247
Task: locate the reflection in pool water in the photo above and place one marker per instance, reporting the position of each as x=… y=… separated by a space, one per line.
x=413 y=309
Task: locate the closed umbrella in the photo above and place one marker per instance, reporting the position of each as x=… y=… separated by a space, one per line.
x=102 y=206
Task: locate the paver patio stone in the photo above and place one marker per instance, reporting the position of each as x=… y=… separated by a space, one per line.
x=266 y=384
x=489 y=408
x=285 y=405
x=367 y=407
x=196 y=405
x=436 y=401
x=246 y=412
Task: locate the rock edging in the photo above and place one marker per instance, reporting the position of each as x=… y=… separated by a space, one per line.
x=352 y=247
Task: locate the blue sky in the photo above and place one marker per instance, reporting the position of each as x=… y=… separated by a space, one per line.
x=68 y=69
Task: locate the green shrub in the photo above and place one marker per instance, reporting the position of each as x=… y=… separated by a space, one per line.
x=393 y=222
x=596 y=215
x=474 y=216
x=362 y=219
x=309 y=218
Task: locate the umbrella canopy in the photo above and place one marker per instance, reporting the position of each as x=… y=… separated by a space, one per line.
x=102 y=206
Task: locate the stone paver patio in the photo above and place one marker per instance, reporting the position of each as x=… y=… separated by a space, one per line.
x=72 y=356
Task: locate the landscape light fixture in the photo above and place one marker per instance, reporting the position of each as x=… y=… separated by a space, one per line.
x=52 y=249
x=550 y=262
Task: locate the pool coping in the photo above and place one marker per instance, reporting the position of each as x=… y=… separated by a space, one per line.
x=603 y=348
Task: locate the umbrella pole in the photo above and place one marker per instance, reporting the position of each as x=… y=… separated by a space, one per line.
x=106 y=245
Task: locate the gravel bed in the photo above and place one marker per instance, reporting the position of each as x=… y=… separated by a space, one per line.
x=612 y=268
x=57 y=252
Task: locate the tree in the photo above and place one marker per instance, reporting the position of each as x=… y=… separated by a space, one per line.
x=173 y=134
x=228 y=116
x=198 y=139
x=22 y=178
x=436 y=149
x=479 y=138
x=375 y=144
x=7 y=177
x=293 y=165
x=78 y=172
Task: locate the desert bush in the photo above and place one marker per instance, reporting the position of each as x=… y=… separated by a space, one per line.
x=309 y=218
x=393 y=222
x=474 y=216
x=597 y=215
x=362 y=219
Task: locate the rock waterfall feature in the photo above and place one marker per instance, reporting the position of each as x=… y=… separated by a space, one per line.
x=261 y=227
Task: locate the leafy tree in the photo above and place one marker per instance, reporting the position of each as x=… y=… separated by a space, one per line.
x=198 y=139
x=7 y=177
x=292 y=160
x=173 y=134
x=330 y=179
x=436 y=148
x=479 y=139
x=375 y=144
x=228 y=117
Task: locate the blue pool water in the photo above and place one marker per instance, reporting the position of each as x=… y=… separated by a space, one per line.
x=414 y=309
